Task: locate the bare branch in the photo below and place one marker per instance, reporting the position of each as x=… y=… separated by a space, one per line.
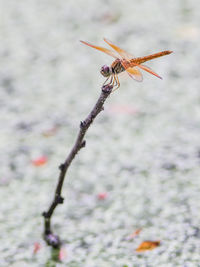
x=52 y=239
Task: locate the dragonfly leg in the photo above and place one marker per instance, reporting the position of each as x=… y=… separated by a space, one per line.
x=114 y=81
x=111 y=80
x=106 y=81
x=117 y=83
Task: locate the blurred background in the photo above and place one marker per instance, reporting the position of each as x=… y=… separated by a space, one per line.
x=140 y=168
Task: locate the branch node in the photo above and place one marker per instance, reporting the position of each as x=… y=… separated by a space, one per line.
x=92 y=116
x=61 y=167
x=82 y=124
x=83 y=144
x=59 y=199
x=44 y=214
x=52 y=240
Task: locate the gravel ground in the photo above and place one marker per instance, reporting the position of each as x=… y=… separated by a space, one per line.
x=142 y=153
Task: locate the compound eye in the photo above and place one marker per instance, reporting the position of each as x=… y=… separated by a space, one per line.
x=105 y=69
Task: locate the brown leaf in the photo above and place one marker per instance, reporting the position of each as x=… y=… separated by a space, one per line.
x=147 y=245
x=49 y=132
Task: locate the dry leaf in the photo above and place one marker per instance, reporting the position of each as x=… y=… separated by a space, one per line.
x=147 y=245
x=50 y=132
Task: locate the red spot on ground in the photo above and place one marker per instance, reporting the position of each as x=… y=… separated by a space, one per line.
x=102 y=196
x=122 y=109
x=62 y=254
x=37 y=247
x=39 y=161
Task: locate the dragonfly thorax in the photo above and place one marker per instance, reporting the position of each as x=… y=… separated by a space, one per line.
x=117 y=66
x=106 y=71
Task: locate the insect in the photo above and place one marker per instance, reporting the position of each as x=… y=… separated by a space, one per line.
x=124 y=62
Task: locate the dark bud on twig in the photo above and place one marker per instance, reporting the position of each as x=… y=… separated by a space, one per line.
x=83 y=144
x=82 y=124
x=61 y=167
x=44 y=214
x=93 y=116
x=52 y=240
x=59 y=199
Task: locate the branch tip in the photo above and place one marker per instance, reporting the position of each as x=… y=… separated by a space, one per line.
x=107 y=88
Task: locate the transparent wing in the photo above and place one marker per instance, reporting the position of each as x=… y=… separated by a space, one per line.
x=120 y=51
x=135 y=74
x=102 y=49
x=133 y=71
x=127 y=56
x=143 y=67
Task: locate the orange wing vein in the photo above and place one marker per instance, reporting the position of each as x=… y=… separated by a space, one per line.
x=124 y=55
x=120 y=51
x=143 y=67
x=135 y=74
x=102 y=49
x=132 y=71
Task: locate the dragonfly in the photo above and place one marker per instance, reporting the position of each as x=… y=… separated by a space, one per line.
x=124 y=62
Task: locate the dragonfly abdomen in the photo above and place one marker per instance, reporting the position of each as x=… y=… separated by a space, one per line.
x=140 y=60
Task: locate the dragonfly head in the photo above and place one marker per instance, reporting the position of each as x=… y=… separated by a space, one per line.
x=106 y=71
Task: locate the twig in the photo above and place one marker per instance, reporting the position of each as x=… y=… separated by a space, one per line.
x=52 y=239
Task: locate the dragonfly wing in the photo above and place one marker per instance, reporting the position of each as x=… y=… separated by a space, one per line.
x=120 y=51
x=133 y=71
x=143 y=67
x=105 y=50
x=135 y=74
